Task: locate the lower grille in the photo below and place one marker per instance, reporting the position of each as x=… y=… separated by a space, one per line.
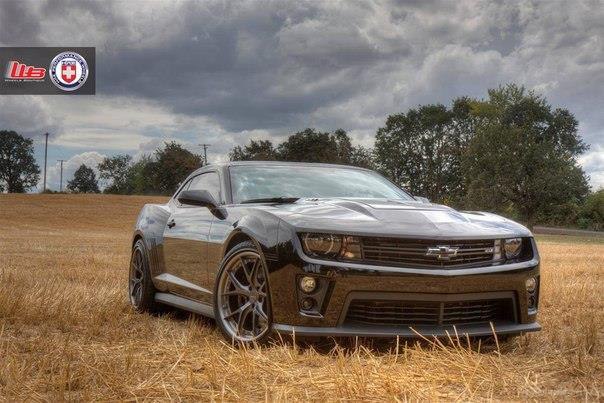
x=436 y=313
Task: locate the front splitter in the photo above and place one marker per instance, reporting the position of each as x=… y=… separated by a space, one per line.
x=408 y=332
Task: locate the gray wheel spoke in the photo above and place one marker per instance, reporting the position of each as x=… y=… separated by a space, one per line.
x=254 y=274
x=242 y=317
x=260 y=311
x=262 y=285
x=236 y=291
x=137 y=291
x=139 y=262
x=237 y=284
x=248 y=276
x=238 y=311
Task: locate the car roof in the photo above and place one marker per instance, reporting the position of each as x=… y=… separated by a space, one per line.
x=227 y=164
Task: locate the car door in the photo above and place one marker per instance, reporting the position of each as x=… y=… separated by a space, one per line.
x=186 y=242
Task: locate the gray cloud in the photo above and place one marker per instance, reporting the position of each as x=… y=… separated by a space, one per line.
x=265 y=68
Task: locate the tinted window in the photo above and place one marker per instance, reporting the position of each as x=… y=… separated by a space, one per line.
x=258 y=182
x=208 y=181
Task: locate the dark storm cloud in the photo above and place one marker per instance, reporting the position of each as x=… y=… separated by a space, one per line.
x=18 y=24
x=247 y=67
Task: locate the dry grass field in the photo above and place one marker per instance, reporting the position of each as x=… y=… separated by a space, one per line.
x=68 y=333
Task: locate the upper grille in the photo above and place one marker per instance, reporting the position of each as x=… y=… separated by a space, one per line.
x=435 y=313
x=414 y=252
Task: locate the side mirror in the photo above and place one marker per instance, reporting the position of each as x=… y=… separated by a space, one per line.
x=422 y=199
x=201 y=198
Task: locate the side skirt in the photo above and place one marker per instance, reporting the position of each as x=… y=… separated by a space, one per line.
x=185 y=303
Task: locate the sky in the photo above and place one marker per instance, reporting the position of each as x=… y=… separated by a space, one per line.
x=225 y=72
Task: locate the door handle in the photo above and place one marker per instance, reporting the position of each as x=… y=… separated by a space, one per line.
x=171 y=223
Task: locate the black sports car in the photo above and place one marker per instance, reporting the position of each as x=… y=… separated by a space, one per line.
x=330 y=250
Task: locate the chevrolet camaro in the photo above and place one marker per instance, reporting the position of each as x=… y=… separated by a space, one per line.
x=330 y=250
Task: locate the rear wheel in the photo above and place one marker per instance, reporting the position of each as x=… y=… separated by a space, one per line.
x=241 y=298
x=140 y=287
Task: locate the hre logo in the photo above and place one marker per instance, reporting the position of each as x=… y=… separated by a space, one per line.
x=22 y=72
x=68 y=71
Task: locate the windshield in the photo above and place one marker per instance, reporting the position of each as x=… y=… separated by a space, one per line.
x=250 y=182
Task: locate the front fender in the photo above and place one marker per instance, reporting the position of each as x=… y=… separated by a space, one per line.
x=261 y=228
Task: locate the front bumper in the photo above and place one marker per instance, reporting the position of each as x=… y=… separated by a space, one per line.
x=341 y=282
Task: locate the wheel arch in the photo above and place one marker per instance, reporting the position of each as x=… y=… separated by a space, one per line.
x=240 y=235
x=137 y=235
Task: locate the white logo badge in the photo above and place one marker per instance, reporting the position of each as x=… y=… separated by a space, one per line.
x=68 y=71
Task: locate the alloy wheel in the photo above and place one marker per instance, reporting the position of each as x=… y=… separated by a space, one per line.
x=137 y=276
x=242 y=298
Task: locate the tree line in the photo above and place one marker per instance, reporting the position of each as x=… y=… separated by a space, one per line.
x=511 y=153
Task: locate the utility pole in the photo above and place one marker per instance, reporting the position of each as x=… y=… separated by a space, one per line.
x=61 y=181
x=45 y=159
x=205 y=152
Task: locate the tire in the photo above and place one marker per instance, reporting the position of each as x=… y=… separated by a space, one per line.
x=141 y=290
x=241 y=296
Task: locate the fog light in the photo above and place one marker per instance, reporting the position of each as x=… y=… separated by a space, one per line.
x=308 y=303
x=308 y=284
x=531 y=284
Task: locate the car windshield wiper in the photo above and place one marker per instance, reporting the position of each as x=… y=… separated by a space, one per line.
x=281 y=200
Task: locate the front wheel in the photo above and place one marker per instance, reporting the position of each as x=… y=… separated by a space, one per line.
x=241 y=297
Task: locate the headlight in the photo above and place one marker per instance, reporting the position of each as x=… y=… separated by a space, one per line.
x=331 y=246
x=322 y=244
x=512 y=247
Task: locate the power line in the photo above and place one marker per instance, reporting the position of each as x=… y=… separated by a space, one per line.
x=45 y=159
x=205 y=152
x=61 y=181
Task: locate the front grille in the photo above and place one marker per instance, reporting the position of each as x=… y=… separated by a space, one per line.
x=422 y=253
x=435 y=313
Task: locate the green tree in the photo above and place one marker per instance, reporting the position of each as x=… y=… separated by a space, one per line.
x=116 y=170
x=84 y=181
x=422 y=149
x=18 y=169
x=171 y=165
x=349 y=154
x=308 y=145
x=522 y=158
x=140 y=175
x=261 y=150
x=592 y=211
x=361 y=157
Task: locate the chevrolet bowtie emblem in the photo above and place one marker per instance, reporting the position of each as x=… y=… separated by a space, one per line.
x=442 y=252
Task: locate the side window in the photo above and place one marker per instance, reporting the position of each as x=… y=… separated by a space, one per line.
x=208 y=181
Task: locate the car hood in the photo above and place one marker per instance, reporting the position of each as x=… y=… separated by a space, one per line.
x=381 y=217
